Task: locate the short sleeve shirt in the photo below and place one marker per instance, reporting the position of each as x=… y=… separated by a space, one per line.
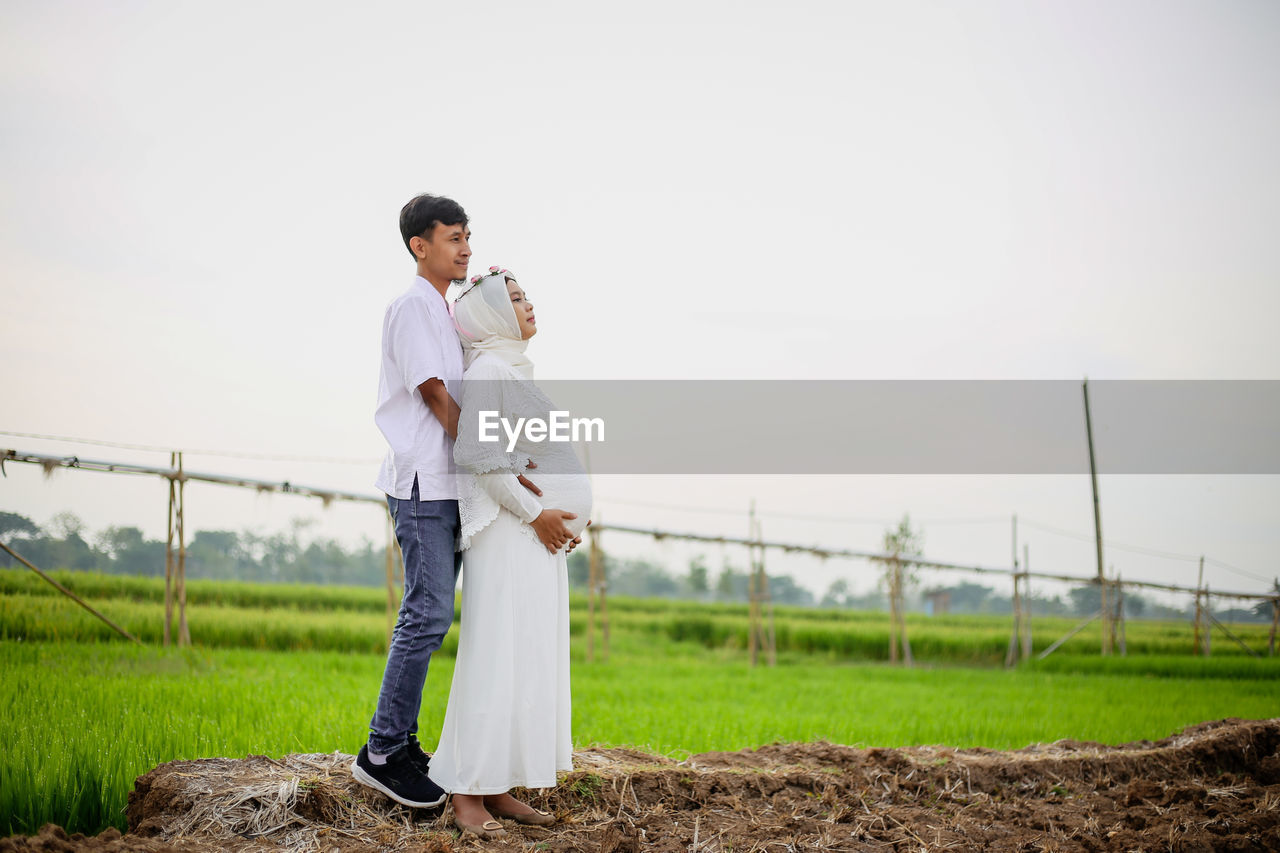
x=418 y=343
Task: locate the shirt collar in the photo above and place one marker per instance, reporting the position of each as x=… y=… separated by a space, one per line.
x=434 y=299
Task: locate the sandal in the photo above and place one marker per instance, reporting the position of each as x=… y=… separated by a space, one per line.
x=487 y=831
x=537 y=818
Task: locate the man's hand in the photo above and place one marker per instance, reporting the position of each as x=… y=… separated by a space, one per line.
x=526 y=482
x=436 y=396
x=549 y=525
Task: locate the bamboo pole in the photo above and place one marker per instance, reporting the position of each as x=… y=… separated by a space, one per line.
x=389 y=561
x=893 y=611
x=1119 y=621
x=1199 y=623
x=1275 y=620
x=1026 y=602
x=907 y=657
x=184 y=633
x=753 y=598
x=69 y=594
x=597 y=597
x=603 y=578
x=168 y=559
x=1067 y=636
x=1231 y=635
x=1206 y=637
x=1108 y=632
x=593 y=569
x=769 y=637
x=1011 y=654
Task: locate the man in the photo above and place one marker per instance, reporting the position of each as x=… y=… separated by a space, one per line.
x=418 y=383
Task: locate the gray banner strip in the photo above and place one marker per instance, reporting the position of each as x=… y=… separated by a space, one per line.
x=923 y=427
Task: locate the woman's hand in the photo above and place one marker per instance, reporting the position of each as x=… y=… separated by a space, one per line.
x=577 y=540
x=549 y=525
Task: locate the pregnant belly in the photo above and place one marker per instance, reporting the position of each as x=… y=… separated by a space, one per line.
x=569 y=492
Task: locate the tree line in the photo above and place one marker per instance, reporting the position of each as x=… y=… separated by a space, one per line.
x=297 y=556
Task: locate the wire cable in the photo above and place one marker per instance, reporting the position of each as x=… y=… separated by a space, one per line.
x=228 y=454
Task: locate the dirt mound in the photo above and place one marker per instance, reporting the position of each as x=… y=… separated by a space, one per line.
x=1212 y=787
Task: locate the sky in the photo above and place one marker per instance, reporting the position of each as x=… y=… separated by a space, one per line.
x=199 y=238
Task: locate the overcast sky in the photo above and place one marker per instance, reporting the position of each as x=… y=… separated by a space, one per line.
x=200 y=233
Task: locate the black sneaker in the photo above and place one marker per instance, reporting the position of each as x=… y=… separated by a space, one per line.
x=420 y=757
x=400 y=779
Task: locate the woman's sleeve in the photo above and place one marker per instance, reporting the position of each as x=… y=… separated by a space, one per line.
x=504 y=488
x=481 y=445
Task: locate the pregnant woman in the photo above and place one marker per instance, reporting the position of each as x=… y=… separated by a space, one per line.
x=507 y=722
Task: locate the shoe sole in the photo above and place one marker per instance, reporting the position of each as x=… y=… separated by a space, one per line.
x=357 y=772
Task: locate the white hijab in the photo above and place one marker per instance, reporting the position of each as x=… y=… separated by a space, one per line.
x=486 y=322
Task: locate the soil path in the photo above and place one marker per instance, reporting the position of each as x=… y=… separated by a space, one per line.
x=1213 y=787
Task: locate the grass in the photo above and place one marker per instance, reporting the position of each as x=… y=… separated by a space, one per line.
x=288 y=668
x=114 y=711
x=294 y=616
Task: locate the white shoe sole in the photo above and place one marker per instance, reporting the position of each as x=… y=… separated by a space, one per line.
x=357 y=772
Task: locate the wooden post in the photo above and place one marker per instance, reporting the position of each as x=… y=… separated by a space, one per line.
x=593 y=565
x=898 y=638
x=893 y=611
x=1108 y=632
x=761 y=634
x=753 y=597
x=907 y=657
x=603 y=579
x=1123 y=646
x=392 y=605
x=597 y=598
x=1011 y=654
x=1275 y=622
x=1199 y=623
x=168 y=556
x=769 y=638
x=184 y=634
x=1208 y=631
x=1026 y=602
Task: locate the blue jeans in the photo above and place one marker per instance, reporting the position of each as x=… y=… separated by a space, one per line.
x=426 y=531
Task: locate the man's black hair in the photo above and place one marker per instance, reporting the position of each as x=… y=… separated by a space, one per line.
x=423 y=213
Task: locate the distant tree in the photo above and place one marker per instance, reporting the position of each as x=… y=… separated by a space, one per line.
x=124 y=550
x=115 y=540
x=1086 y=600
x=837 y=594
x=642 y=579
x=731 y=585
x=783 y=589
x=905 y=541
x=14 y=526
x=66 y=524
x=965 y=597
x=698 y=582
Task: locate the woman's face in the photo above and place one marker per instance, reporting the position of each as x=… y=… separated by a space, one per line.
x=523 y=308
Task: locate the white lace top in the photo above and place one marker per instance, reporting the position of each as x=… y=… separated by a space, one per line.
x=487 y=472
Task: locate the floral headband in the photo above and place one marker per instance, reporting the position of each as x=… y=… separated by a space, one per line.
x=475 y=279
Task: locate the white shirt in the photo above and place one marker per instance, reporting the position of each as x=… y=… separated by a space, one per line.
x=418 y=343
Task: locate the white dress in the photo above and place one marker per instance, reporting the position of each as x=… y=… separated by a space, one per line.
x=508 y=719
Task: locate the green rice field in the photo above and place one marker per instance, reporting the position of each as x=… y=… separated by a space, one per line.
x=279 y=669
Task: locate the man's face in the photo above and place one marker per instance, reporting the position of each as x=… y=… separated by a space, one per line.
x=446 y=254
